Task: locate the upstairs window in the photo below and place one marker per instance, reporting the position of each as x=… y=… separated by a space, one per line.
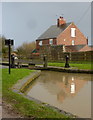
x=51 y=41
x=40 y=43
x=73 y=32
x=73 y=42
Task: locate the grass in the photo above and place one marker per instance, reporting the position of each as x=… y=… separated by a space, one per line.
x=25 y=106
x=85 y=66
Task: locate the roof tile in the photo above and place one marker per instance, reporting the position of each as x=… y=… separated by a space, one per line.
x=53 y=31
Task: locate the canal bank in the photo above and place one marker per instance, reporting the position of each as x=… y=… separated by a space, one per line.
x=63 y=69
x=66 y=91
x=23 y=85
x=54 y=87
x=26 y=107
x=55 y=68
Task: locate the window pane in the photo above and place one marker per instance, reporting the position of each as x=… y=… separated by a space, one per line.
x=40 y=43
x=50 y=41
x=73 y=42
x=73 y=32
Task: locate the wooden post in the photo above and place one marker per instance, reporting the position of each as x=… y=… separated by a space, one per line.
x=45 y=61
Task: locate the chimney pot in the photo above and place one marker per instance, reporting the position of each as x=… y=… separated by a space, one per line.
x=60 y=21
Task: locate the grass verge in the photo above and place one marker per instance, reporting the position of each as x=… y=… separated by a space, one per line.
x=84 y=66
x=25 y=106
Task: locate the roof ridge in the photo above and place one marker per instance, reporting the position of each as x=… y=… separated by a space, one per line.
x=53 y=31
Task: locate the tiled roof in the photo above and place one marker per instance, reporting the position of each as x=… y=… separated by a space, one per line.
x=86 y=48
x=53 y=31
x=74 y=48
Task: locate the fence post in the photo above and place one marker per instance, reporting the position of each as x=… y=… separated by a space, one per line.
x=85 y=56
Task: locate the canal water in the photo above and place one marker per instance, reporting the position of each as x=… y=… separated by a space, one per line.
x=67 y=91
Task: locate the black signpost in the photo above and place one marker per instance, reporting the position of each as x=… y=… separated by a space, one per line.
x=9 y=42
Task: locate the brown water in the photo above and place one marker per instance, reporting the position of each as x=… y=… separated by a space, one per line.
x=67 y=91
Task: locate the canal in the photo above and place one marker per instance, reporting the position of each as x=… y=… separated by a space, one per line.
x=66 y=91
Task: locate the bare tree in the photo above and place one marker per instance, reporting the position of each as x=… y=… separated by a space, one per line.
x=25 y=49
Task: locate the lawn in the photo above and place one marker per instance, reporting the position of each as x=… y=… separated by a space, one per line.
x=25 y=106
x=85 y=66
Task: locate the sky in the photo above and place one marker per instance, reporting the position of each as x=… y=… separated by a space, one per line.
x=26 y=21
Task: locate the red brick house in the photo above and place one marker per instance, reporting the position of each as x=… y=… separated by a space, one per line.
x=63 y=33
x=66 y=34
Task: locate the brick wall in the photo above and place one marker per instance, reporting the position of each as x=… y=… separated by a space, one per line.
x=44 y=42
x=65 y=37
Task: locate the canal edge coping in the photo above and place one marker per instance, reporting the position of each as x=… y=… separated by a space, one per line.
x=63 y=69
x=23 y=83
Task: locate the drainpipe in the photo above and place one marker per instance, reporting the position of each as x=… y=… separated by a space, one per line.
x=87 y=40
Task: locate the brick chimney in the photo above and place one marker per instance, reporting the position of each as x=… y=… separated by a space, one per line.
x=61 y=21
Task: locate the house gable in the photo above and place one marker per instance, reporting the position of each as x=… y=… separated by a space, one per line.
x=65 y=38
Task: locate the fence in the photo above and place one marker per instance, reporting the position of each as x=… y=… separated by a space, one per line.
x=55 y=53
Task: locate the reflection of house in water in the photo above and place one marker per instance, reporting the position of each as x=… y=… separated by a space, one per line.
x=61 y=85
x=71 y=88
x=64 y=85
x=66 y=91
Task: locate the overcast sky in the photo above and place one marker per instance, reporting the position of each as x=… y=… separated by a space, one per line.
x=26 y=21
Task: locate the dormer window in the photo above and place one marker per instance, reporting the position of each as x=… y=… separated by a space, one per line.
x=73 y=32
x=40 y=43
x=51 y=41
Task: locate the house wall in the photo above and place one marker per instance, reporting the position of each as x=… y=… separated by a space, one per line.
x=44 y=42
x=65 y=37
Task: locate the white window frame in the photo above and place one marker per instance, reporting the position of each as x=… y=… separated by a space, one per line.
x=40 y=43
x=51 y=41
x=73 y=32
x=73 y=42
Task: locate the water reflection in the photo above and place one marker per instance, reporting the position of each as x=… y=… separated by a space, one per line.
x=64 y=90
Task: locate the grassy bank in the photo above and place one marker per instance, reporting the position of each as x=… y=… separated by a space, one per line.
x=84 y=66
x=25 y=106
